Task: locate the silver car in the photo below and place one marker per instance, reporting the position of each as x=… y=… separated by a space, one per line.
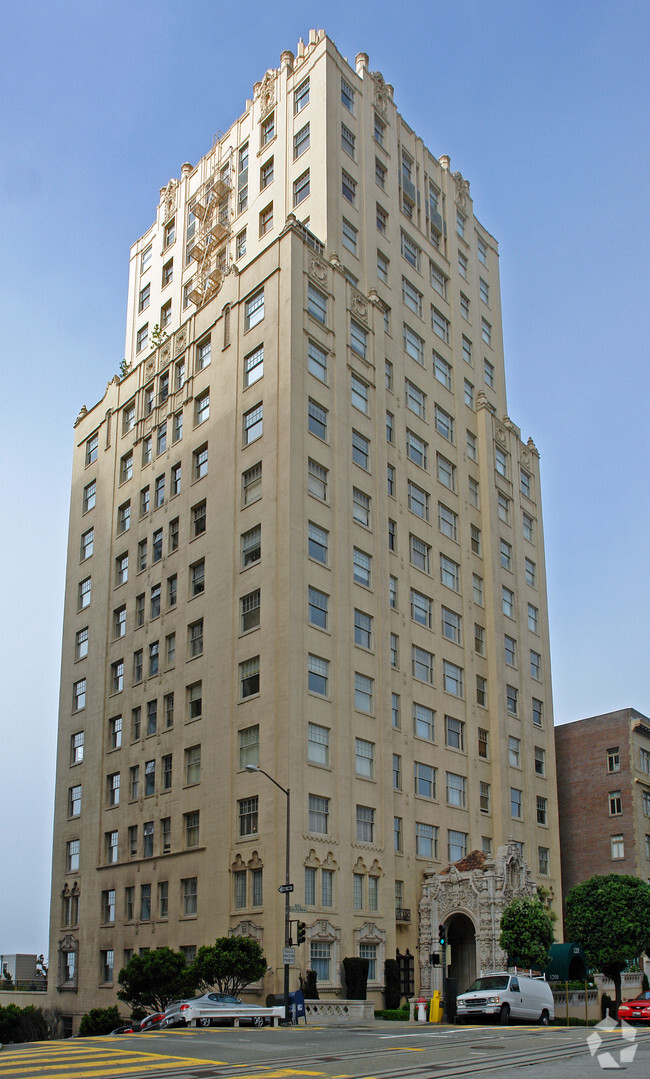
x=205 y=1010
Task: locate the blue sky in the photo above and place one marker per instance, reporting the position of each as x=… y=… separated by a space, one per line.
x=542 y=106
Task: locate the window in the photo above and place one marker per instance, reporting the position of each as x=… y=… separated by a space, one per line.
x=195 y=701
x=421 y=609
x=248 y=816
x=447 y=521
x=488 y=373
x=392 y=585
x=249 y=746
x=411 y=297
x=74 y=801
x=615 y=803
x=516 y=810
x=390 y=437
x=363 y=693
x=446 y=472
x=456 y=790
x=380 y=174
x=540 y=761
x=537 y=712
x=450 y=573
x=142 y=336
x=512 y=700
x=72 y=854
x=442 y=370
x=362 y=563
x=124 y=518
x=486 y=331
x=266 y=219
x=469 y=394
x=362 y=628
x=113 y=789
x=360 y=507
x=426 y=840
x=266 y=174
x=301 y=141
x=318 y=675
x=456 y=845
x=444 y=424
x=253 y=424
x=422 y=664
x=528 y=527
x=253 y=366
x=510 y=650
x=416 y=449
x=301 y=96
x=191 y=828
x=250 y=611
x=318 y=814
x=440 y=325
x=508 y=601
x=452 y=676
x=359 y=388
x=382 y=219
x=475 y=540
x=416 y=399
x=360 y=450
x=477 y=589
x=364 y=758
x=317 y=543
x=190 y=896
x=317 y=304
x=254 y=310
x=420 y=554
x=503 y=507
x=451 y=625
x=249 y=677
x=535 y=665
x=348 y=140
x=318 y=745
x=382 y=267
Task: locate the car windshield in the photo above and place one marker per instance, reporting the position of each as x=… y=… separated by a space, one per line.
x=492 y=981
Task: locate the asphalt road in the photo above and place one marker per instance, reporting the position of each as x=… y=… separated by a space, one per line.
x=378 y=1051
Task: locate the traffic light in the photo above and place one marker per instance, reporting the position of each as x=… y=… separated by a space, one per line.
x=442 y=937
x=302 y=932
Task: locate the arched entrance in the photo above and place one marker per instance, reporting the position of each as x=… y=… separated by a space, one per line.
x=461 y=951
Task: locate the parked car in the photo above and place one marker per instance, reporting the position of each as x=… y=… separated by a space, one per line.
x=152 y=1022
x=508 y=996
x=129 y=1028
x=637 y=1010
x=205 y=1010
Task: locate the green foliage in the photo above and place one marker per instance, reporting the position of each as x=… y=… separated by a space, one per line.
x=526 y=933
x=355 y=972
x=22 y=1024
x=645 y=985
x=158 y=337
x=152 y=980
x=610 y=917
x=229 y=964
x=125 y=369
x=395 y=1015
x=309 y=986
x=393 y=991
x=100 y=1021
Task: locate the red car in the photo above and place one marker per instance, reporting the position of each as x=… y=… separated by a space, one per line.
x=637 y=1010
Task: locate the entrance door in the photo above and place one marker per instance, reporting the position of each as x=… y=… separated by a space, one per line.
x=461 y=951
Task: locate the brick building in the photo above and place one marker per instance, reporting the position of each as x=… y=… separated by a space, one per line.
x=603 y=775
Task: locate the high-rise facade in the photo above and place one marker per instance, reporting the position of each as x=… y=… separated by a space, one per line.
x=304 y=535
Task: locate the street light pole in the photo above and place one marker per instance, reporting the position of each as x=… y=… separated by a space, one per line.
x=287 y=914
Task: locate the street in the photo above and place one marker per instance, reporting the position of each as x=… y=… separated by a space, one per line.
x=381 y=1051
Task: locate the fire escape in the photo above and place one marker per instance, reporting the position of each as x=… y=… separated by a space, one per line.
x=211 y=210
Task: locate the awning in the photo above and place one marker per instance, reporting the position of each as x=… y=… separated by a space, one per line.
x=567 y=963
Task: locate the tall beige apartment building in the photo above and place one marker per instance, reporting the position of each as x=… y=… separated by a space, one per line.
x=304 y=534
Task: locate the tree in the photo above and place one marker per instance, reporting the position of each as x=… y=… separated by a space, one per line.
x=230 y=964
x=100 y=1021
x=527 y=933
x=155 y=978
x=610 y=917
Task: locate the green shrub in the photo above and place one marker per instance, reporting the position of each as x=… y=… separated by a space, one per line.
x=393 y=991
x=99 y=1021
x=22 y=1024
x=356 y=977
x=396 y=1015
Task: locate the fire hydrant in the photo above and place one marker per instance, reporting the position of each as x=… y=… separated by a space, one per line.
x=422 y=1010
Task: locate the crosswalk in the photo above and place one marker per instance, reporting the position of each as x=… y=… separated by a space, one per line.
x=106 y=1059
x=88 y=1059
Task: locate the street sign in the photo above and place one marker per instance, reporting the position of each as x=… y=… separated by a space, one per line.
x=285 y=888
x=288 y=956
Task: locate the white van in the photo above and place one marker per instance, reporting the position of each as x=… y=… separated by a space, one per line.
x=510 y=996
